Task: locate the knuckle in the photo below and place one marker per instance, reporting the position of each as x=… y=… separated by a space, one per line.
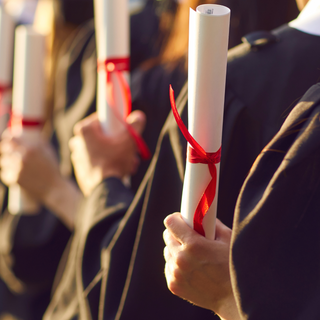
x=193 y=246
x=176 y=287
x=182 y=261
x=83 y=130
x=178 y=275
x=173 y=287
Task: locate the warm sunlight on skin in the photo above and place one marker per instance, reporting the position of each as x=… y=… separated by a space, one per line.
x=301 y=4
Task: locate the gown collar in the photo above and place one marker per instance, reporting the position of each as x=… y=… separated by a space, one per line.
x=308 y=20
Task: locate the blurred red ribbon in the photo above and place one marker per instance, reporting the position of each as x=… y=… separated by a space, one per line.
x=196 y=154
x=17 y=120
x=116 y=66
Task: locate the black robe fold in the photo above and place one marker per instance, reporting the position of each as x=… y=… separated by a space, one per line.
x=276 y=242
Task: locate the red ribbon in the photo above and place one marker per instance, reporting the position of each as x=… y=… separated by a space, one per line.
x=196 y=154
x=19 y=120
x=116 y=66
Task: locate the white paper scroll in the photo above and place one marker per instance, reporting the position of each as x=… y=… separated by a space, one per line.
x=7 y=26
x=112 y=38
x=28 y=101
x=208 y=47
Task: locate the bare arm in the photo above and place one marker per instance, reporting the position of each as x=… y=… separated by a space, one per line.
x=35 y=168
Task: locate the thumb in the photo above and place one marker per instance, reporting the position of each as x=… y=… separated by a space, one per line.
x=83 y=124
x=137 y=119
x=178 y=228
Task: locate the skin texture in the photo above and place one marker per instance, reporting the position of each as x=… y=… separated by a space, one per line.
x=197 y=269
x=35 y=168
x=96 y=156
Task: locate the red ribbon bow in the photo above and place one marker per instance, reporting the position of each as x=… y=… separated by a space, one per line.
x=116 y=66
x=196 y=154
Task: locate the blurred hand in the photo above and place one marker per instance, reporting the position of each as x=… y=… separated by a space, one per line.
x=34 y=166
x=197 y=269
x=96 y=156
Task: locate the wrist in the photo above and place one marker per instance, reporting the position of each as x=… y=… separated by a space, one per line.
x=97 y=176
x=229 y=310
x=63 y=199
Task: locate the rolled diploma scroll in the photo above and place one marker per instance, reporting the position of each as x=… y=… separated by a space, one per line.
x=208 y=47
x=7 y=26
x=28 y=101
x=112 y=38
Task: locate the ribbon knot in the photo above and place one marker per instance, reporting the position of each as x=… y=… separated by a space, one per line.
x=196 y=154
x=209 y=158
x=116 y=66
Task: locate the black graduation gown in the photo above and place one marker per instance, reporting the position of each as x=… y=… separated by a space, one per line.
x=276 y=243
x=31 y=246
x=263 y=85
x=124 y=278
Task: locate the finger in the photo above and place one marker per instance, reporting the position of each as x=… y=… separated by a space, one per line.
x=79 y=126
x=137 y=119
x=10 y=168
x=72 y=143
x=18 y=141
x=11 y=139
x=169 y=240
x=9 y=147
x=223 y=233
x=166 y=254
x=76 y=144
x=168 y=275
x=77 y=148
x=6 y=147
x=6 y=134
x=179 y=228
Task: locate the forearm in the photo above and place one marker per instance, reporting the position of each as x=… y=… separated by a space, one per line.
x=63 y=200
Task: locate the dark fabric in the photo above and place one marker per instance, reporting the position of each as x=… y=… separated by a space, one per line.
x=105 y=299
x=252 y=15
x=31 y=246
x=150 y=94
x=102 y=211
x=76 y=11
x=276 y=243
x=262 y=88
x=117 y=273
x=145 y=40
x=259 y=95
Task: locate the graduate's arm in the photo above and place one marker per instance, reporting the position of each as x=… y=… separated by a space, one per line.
x=97 y=156
x=35 y=168
x=197 y=269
